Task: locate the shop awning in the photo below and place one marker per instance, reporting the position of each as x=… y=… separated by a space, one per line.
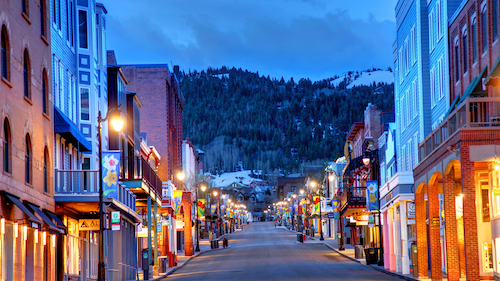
x=15 y=200
x=56 y=219
x=67 y=129
x=44 y=217
x=493 y=78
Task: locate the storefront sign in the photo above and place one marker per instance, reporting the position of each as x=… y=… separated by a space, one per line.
x=496 y=191
x=158 y=227
x=110 y=169
x=372 y=203
x=115 y=221
x=166 y=202
x=459 y=206
x=361 y=220
x=410 y=210
x=435 y=222
x=88 y=224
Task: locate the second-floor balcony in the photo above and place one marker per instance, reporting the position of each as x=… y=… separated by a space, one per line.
x=472 y=112
x=351 y=199
x=83 y=186
x=138 y=169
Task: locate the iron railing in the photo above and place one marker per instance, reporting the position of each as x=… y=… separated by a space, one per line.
x=351 y=196
x=136 y=168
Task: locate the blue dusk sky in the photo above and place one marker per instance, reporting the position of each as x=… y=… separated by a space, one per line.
x=290 y=38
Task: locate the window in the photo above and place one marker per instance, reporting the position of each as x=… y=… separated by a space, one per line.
x=28 y=159
x=432 y=32
x=439 y=18
x=82 y=29
x=25 y=8
x=474 y=40
x=402 y=113
x=410 y=155
x=59 y=14
x=71 y=23
x=84 y=102
x=457 y=63
x=442 y=76
x=416 y=100
x=433 y=89
x=27 y=75
x=484 y=29
x=67 y=20
x=60 y=77
x=5 y=53
x=410 y=103
x=413 y=45
x=45 y=96
x=45 y=170
x=408 y=107
x=56 y=82
x=54 y=18
x=43 y=18
x=7 y=146
x=403 y=158
x=494 y=16
x=464 y=51
x=407 y=57
x=415 y=143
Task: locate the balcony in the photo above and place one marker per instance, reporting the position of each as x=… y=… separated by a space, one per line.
x=137 y=169
x=481 y=112
x=83 y=186
x=351 y=199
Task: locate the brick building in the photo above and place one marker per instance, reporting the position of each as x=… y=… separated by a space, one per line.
x=27 y=233
x=456 y=180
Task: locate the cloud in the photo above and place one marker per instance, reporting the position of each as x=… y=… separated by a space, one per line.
x=307 y=44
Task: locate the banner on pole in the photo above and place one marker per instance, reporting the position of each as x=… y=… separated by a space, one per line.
x=372 y=196
x=177 y=201
x=316 y=203
x=110 y=168
x=212 y=209
x=336 y=211
x=201 y=207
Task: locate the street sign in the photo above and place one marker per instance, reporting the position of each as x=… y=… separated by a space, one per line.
x=115 y=220
x=331 y=215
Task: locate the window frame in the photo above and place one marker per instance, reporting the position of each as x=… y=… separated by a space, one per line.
x=45 y=92
x=465 y=53
x=46 y=169
x=7 y=146
x=484 y=29
x=27 y=74
x=5 y=53
x=80 y=28
x=25 y=8
x=28 y=160
x=43 y=18
x=474 y=39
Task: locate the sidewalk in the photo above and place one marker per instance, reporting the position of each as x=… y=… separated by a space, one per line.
x=349 y=253
x=182 y=260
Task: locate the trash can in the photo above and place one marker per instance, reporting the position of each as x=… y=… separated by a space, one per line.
x=358 y=251
x=298 y=237
x=145 y=263
x=216 y=243
x=371 y=255
x=307 y=231
x=414 y=259
x=225 y=242
x=163 y=264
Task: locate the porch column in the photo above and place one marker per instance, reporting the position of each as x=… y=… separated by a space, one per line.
x=171 y=238
x=187 y=203
x=420 y=209
x=392 y=262
x=397 y=239
x=155 y=243
x=470 y=218
x=149 y=229
x=452 y=247
x=434 y=230
x=385 y=230
x=405 y=260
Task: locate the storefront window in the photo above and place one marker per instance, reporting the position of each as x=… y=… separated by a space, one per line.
x=485 y=202
x=72 y=248
x=495 y=192
x=488 y=257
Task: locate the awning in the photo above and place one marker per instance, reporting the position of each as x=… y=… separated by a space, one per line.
x=469 y=92
x=44 y=217
x=67 y=129
x=493 y=78
x=56 y=219
x=15 y=200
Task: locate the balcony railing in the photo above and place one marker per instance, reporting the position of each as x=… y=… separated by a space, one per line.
x=136 y=168
x=351 y=196
x=87 y=182
x=472 y=113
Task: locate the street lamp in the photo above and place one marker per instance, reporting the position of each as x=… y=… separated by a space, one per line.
x=372 y=156
x=114 y=116
x=203 y=187
x=313 y=185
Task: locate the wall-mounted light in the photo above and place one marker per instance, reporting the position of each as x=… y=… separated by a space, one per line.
x=36 y=236
x=44 y=238
x=16 y=230
x=25 y=232
x=53 y=240
x=366 y=161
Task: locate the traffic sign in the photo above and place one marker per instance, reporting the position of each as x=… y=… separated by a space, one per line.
x=115 y=220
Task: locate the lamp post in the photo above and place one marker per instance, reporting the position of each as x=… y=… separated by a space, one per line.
x=117 y=123
x=203 y=187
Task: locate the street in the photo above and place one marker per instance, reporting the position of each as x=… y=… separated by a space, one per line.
x=262 y=252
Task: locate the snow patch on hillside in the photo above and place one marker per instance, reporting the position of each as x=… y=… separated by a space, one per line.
x=364 y=78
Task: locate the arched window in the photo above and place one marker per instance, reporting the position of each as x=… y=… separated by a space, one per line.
x=7 y=143
x=465 y=51
x=5 y=47
x=27 y=75
x=28 y=155
x=474 y=40
x=45 y=170
x=24 y=6
x=45 y=96
x=43 y=19
x=484 y=29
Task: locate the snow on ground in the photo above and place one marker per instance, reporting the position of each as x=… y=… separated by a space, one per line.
x=227 y=178
x=366 y=78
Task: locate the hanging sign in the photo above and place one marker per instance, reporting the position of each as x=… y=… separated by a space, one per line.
x=410 y=210
x=88 y=224
x=372 y=196
x=115 y=220
x=110 y=167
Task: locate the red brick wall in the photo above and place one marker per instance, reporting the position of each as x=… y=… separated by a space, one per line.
x=161 y=114
x=421 y=215
x=452 y=247
x=434 y=229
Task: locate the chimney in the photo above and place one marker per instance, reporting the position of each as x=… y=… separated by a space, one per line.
x=176 y=71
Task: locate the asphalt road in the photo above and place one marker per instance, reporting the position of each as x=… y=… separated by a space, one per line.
x=261 y=252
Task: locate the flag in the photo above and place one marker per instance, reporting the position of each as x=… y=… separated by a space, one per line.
x=336 y=209
x=110 y=170
x=372 y=196
x=177 y=201
x=316 y=203
x=201 y=207
x=212 y=209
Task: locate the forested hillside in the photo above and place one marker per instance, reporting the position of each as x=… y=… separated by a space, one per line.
x=244 y=120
